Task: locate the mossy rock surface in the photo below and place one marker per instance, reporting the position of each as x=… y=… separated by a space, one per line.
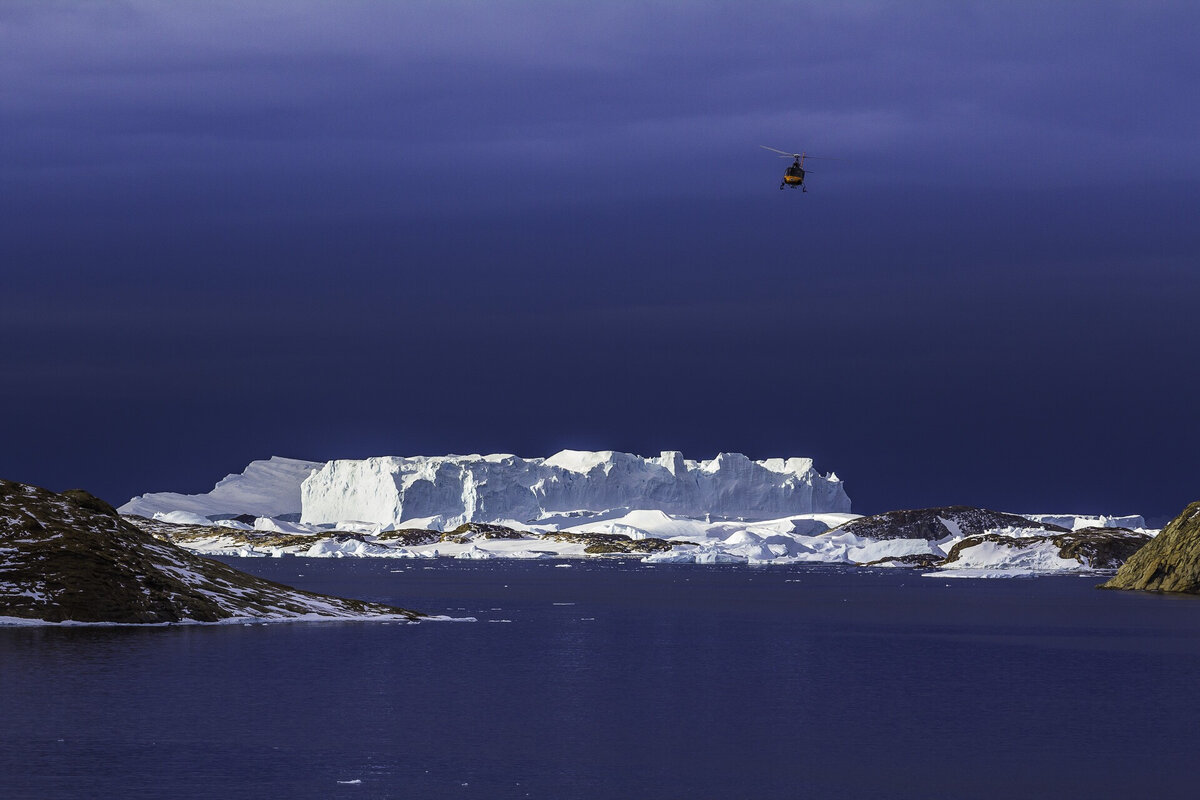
x=1170 y=562
x=611 y=543
x=471 y=531
x=183 y=533
x=71 y=557
x=410 y=537
x=1101 y=548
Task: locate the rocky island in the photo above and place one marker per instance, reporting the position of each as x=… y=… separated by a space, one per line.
x=72 y=557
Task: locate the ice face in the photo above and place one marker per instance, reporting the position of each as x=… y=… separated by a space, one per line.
x=391 y=490
x=267 y=488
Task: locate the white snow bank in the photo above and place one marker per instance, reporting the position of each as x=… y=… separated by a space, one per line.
x=1041 y=556
x=279 y=526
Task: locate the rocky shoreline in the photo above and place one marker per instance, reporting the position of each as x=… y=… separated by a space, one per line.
x=72 y=557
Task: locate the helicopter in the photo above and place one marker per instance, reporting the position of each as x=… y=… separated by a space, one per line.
x=793 y=176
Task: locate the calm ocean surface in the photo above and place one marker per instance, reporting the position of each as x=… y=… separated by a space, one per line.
x=621 y=680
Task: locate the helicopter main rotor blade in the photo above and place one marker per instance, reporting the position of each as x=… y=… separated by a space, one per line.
x=781 y=152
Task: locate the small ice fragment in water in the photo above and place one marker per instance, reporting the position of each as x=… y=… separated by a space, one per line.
x=351 y=783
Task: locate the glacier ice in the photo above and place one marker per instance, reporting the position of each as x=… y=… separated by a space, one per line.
x=266 y=488
x=446 y=491
x=1074 y=522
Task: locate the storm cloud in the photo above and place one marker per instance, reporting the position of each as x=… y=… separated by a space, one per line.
x=344 y=229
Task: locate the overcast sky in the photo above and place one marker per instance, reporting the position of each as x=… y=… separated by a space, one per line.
x=344 y=229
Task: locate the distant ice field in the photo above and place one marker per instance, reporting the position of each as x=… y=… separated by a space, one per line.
x=726 y=510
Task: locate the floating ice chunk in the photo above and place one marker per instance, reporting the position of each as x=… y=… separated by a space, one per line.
x=528 y=554
x=332 y=548
x=705 y=554
x=980 y=573
x=475 y=552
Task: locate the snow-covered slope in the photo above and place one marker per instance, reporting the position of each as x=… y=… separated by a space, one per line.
x=269 y=488
x=445 y=491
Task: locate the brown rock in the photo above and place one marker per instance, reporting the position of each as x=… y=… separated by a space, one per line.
x=1170 y=562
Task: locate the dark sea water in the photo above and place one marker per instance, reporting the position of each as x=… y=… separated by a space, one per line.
x=621 y=680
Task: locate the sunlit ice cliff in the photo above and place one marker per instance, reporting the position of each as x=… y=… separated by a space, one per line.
x=446 y=491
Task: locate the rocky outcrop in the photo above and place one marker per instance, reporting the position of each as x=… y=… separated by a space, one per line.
x=935 y=524
x=1092 y=548
x=603 y=543
x=467 y=533
x=472 y=531
x=70 y=556
x=916 y=560
x=1168 y=563
x=1101 y=548
x=184 y=534
x=409 y=537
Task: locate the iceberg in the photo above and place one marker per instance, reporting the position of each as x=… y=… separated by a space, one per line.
x=447 y=491
x=266 y=488
x=1073 y=522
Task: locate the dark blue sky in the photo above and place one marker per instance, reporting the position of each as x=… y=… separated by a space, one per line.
x=347 y=229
